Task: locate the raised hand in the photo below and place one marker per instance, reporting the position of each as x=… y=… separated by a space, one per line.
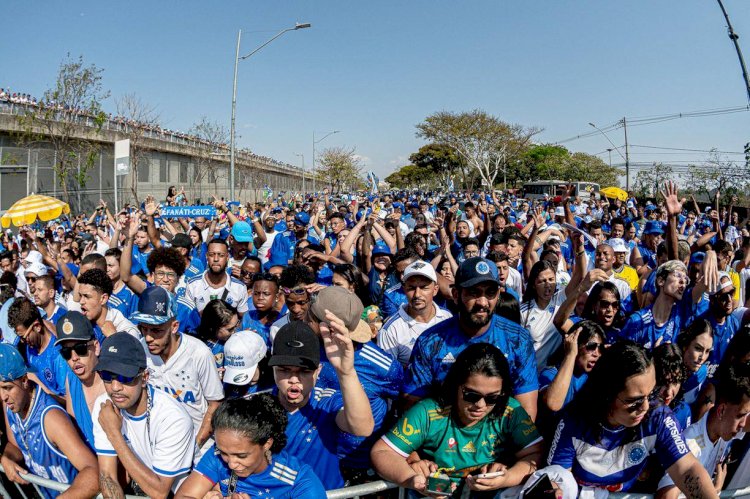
x=671 y=200
x=337 y=343
x=150 y=206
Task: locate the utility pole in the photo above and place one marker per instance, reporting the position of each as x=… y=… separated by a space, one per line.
x=734 y=37
x=627 y=156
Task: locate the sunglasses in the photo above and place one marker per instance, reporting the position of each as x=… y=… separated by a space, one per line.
x=109 y=377
x=473 y=397
x=634 y=405
x=592 y=346
x=294 y=291
x=81 y=350
x=609 y=304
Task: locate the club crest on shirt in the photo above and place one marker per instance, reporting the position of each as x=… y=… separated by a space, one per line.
x=636 y=454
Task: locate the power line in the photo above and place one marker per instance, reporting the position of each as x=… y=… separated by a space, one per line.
x=684 y=149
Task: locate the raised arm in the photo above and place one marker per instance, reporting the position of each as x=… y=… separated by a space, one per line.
x=151 y=208
x=126 y=258
x=674 y=208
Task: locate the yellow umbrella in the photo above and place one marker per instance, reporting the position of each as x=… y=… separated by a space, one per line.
x=28 y=209
x=615 y=193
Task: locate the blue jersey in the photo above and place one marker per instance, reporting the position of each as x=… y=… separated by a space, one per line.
x=576 y=383
x=614 y=459
x=125 y=301
x=284 y=478
x=49 y=366
x=723 y=334
x=40 y=455
x=81 y=409
x=139 y=260
x=251 y=321
x=199 y=253
x=682 y=414
x=187 y=315
x=381 y=377
x=393 y=299
x=56 y=314
x=312 y=435
x=649 y=257
x=196 y=268
x=642 y=328
x=376 y=291
x=692 y=386
x=436 y=350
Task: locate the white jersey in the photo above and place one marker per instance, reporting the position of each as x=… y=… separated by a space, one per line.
x=514 y=281
x=280 y=322
x=121 y=323
x=400 y=332
x=189 y=376
x=164 y=441
x=543 y=332
x=233 y=292
x=707 y=452
x=622 y=286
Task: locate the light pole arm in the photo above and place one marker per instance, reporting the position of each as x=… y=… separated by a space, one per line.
x=269 y=41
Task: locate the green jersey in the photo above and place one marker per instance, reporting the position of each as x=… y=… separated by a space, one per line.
x=439 y=437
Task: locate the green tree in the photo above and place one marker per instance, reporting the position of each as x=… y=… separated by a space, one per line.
x=410 y=176
x=439 y=159
x=69 y=117
x=648 y=181
x=339 y=168
x=484 y=142
x=210 y=162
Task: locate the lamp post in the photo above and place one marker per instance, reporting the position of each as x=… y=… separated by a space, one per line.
x=627 y=163
x=237 y=60
x=303 y=170
x=316 y=142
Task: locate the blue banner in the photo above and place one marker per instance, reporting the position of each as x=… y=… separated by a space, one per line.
x=188 y=211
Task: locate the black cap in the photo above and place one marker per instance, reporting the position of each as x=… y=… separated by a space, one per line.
x=122 y=354
x=73 y=326
x=296 y=345
x=475 y=271
x=181 y=241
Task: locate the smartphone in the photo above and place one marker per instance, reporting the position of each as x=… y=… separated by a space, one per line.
x=491 y=475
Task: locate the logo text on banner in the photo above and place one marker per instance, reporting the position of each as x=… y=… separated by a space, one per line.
x=188 y=211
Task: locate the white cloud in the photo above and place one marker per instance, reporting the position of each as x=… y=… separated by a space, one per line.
x=399 y=161
x=364 y=160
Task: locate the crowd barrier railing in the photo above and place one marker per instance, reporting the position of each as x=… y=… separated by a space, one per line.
x=353 y=492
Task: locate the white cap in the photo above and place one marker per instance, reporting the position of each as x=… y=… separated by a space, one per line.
x=630 y=204
x=559 y=211
x=724 y=282
x=33 y=257
x=420 y=267
x=618 y=245
x=242 y=353
x=36 y=268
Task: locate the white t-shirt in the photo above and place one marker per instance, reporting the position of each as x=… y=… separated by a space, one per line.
x=543 y=332
x=622 y=286
x=189 y=376
x=233 y=292
x=121 y=323
x=163 y=441
x=708 y=453
x=400 y=332
x=280 y=322
x=514 y=281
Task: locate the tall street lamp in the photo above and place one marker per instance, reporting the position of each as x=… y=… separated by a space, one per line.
x=317 y=142
x=627 y=165
x=303 y=170
x=237 y=59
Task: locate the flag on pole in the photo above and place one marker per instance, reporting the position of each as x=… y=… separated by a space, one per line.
x=267 y=192
x=450 y=184
x=374 y=181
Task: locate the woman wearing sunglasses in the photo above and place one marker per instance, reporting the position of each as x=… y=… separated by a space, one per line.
x=474 y=430
x=569 y=367
x=610 y=429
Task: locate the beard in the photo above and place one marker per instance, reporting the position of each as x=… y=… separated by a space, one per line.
x=470 y=318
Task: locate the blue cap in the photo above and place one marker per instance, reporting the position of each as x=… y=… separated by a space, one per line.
x=73 y=325
x=12 y=365
x=650 y=207
x=697 y=257
x=156 y=306
x=475 y=271
x=242 y=232
x=301 y=218
x=363 y=213
x=121 y=354
x=653 y=227
x=400 y=206
x=381 y=248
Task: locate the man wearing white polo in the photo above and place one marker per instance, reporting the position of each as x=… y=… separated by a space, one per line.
x=403 y=328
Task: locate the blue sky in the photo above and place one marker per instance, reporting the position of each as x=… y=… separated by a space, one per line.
x=375 y=69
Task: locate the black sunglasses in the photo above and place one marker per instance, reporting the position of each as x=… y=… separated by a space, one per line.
x=81 y=349
x=592 y=346
x=109 y=377
x=473 y=397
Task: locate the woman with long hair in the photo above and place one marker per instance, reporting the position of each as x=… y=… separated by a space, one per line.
x=610 y=428
x=248 y=457
x=474 y=430
x=219 y=321
x=696 y=342
x=350 y=277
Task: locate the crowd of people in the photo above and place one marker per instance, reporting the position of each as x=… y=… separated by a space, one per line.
x=463 y=344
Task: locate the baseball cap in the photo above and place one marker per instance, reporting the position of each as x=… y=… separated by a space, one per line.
x=121 y=354
x=181 y=241
x=73 y=325
x=475 y=270
x=301 y=218
x=155 y=306
x=420 y=267
x=697 y=257
x=33 y=257
x=35 y=268
x=724 y=282
x=295 y=345
x=618 y=245
x=12 y=365
x=241 y=232
x=242 y=353
x=653 y=227
x=381 y=249
x=346 y=306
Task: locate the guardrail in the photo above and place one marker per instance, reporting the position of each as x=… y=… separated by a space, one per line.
x=353 y=492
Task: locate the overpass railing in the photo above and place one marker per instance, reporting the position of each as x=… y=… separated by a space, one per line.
x=352 y=492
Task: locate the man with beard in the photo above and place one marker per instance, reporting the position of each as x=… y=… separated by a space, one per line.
x=144 y=429
x=475 y=293
x=662 y=321
x=400 y=332
x=215 y=283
